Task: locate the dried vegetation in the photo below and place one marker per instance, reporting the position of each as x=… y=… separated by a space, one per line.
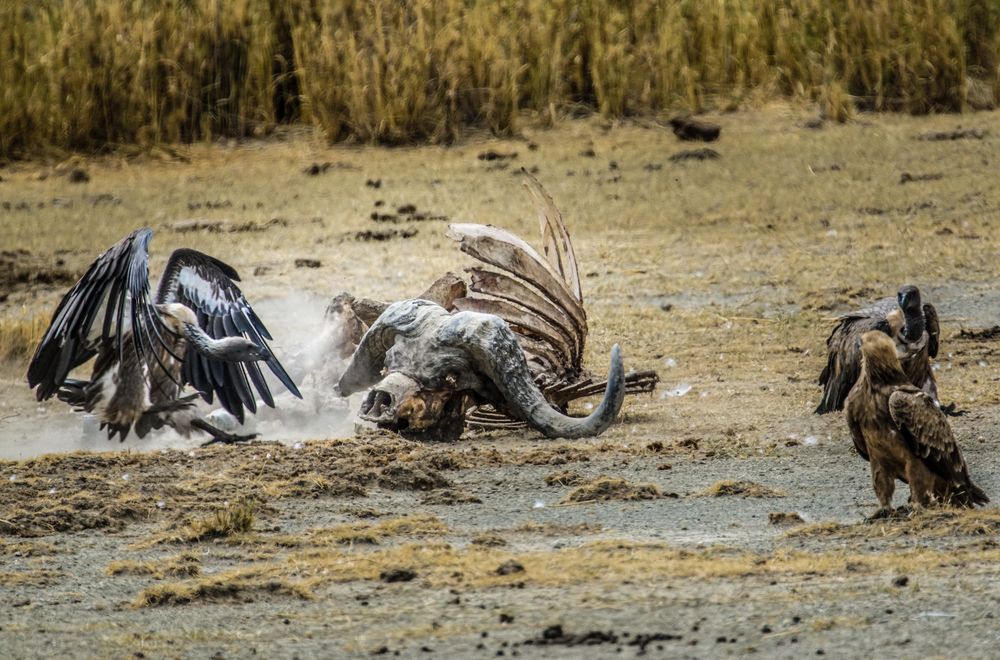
x=417 y=70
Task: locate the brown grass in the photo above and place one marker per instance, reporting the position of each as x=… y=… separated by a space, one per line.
x=19 y=336
x=185 y=564
x=422 y=69
x=929 y=523
x=241 y=584
x=604 y=489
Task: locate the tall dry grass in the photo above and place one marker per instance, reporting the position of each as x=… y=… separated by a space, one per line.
x=86 y=74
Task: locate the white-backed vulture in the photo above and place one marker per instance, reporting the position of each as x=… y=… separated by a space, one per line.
x=197 y=330
x=912 y=325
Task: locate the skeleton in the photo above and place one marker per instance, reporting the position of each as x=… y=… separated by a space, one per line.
x=426 y=365
x=529 y=311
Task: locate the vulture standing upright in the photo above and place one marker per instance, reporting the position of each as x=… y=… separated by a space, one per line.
x=900 y=430
x=198 y=330
x=912 y=325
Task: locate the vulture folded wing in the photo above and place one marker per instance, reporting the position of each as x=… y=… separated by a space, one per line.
x=843 y=365
x=207 y=286
x=927 y=430
x=111 y=299
x=933 y=329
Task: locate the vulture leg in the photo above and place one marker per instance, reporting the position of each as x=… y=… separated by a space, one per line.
x=219 y=436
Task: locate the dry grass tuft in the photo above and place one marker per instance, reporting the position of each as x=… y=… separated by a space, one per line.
x=35 y=577
x=20 y=336
x=241 y=585
x=363 y=533
x=728 y=487
x=185 y=564
x=232 y=520
x=604 y=489
x=564 y=478
x=936 y=522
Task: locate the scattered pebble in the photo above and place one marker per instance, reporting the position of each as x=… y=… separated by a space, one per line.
x=680 y=390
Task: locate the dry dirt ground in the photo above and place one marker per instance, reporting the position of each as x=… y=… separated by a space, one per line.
x=719 y=517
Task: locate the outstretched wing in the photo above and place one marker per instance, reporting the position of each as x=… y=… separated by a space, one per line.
x=207 y=286
x=929 y=435
x=933 y=329
x=111 y=299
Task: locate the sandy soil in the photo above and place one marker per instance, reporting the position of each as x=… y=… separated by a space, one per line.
x=732 y=522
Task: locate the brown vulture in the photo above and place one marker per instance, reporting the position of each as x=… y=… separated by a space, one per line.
x=903 y=434
x=912 y=325
x=198 y=329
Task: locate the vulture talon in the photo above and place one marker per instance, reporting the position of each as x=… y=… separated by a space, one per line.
x=223 y=438
x=951 y=410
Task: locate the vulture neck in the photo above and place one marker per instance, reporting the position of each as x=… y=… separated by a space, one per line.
x=201 y=342
x=914 y=328
x=884 y=372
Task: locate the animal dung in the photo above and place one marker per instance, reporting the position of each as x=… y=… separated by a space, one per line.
x=397 y=575
x=383 y=234
x=492 y=155
x=957 y=134
x=906 y=177
x=784 y=518
x=78 y=175
x=696 y=154
x=307 y=263
x=686 y=128
x=510 y=567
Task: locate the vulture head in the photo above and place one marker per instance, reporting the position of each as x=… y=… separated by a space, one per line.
x=908 y=299
x=425 y=367
x=182 y=321
x=878 y=356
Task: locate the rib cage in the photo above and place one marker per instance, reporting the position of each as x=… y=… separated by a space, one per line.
x=541 y=299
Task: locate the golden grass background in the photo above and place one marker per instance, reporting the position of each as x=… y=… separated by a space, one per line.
x=89 y=74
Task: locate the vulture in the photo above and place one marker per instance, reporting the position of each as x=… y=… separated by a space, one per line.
x=903 y=434
x=912 y=325
x=198 y=329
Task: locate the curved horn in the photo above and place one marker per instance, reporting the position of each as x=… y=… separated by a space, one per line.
x=365 y=369
x=493 y=351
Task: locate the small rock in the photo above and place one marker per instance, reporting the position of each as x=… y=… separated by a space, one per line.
x=307 y=263
x=397 y=575
x=510 y=567
x=901 y=581
x=78 y=175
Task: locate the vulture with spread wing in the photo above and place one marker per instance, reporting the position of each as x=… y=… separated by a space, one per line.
x=197 y=330
x=900 y=430
x=913 y=327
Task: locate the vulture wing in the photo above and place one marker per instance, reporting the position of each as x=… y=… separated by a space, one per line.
x=843 y=362
x=929 y=435
x=111 y=299
x=933 y=329
x=207 y=286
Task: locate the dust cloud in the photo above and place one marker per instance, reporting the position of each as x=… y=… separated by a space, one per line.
x=308 y=345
